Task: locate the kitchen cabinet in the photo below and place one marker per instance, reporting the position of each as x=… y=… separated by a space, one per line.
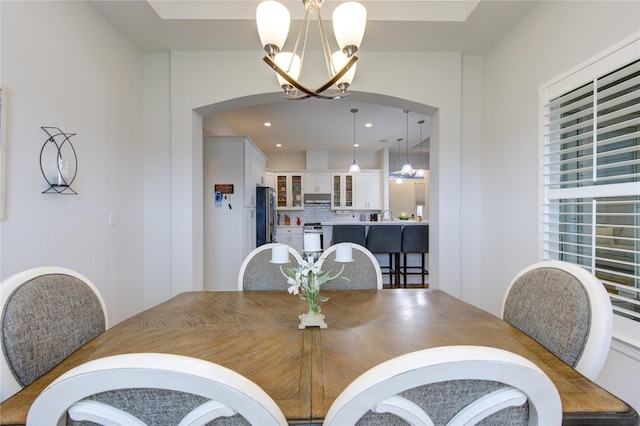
x=367 y=191
x=290 y=191
x=341 y=191
x=317 y=183
x=291 y=236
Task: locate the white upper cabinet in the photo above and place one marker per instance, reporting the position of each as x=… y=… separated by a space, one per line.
x=317 y=183
x=341 y=191
x=367 y=191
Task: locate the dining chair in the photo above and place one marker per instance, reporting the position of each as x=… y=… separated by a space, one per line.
x=387 y=239
x=154 y=389
x=453 y=385
x=566 y=309
x=349 y=234
x=258 y=273
x=47 y=313
x=363 y=273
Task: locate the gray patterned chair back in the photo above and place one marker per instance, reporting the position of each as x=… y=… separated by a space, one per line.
x=155 y=389
x=551 y=306
x=457 y=385
x=364 y=272
x=258 y=273
x=44 y=320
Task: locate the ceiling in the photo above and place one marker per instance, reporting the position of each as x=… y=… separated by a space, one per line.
x=469 y=26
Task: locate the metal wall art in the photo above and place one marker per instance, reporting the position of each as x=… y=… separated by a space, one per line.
x=58 y=161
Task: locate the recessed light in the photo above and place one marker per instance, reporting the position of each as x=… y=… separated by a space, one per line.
x=267 y=124
x=278 y=145
x=356 y=145
x=368 y=125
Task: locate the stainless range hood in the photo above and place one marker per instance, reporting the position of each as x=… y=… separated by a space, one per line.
x=317 y=198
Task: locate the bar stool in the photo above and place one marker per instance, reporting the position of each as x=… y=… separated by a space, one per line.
x=349 y=234
x=387 y=239
x=415 y=239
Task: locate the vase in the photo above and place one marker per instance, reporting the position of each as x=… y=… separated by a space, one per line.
x=313 y=318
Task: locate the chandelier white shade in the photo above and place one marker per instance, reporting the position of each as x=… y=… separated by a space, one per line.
x=290 y=63
x=273 y=20
x=349 y=22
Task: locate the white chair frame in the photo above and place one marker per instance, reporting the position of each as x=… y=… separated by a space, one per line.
x=361 y=249
x=260 y=249
x=8 y=384
x=377 y=389
x=228 y=391
x=598 y=341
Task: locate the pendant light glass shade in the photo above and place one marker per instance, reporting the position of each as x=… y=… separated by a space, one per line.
x=354 y=166
x=272 y=19
x=349 y=22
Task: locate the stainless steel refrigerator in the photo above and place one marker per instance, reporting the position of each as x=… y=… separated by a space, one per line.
x=266 y=215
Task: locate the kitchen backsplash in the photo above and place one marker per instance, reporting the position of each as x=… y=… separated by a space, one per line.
x=321 y=213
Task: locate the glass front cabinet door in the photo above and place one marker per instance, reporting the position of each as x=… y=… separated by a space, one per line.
x=289 y=188
x=341 y=191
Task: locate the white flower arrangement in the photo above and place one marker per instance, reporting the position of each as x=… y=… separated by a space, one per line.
x=306 y=281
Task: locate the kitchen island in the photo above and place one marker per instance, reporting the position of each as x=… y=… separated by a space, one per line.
x=327 y=227
x=412 y=260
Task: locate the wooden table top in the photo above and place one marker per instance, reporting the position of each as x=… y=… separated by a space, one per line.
x=256 y=334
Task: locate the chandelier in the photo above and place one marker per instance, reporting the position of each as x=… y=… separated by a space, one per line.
x=349 y=21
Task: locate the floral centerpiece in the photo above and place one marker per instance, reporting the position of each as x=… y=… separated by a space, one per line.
x=306 y=280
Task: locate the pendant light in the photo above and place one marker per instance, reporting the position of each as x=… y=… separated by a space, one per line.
x=399 y=180
x=354 y=167
x=407 y=169
x=420 y=172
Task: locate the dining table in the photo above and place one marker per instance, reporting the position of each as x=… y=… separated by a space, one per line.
x=256 y=334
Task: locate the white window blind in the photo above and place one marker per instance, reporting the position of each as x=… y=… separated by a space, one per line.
x=591 y=181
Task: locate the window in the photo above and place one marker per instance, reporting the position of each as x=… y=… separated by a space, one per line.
x=590 y=212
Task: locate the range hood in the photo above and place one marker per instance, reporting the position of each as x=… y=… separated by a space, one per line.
x=317 y=198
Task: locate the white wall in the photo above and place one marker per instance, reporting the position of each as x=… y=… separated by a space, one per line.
x=64 y=66
x=552 y=39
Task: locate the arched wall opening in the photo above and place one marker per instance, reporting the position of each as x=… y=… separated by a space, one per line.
x=201 y=82
x=226 y=231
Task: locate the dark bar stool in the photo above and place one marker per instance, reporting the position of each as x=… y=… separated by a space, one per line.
x=415 y=239
x=349 y=234
x=387 y=239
